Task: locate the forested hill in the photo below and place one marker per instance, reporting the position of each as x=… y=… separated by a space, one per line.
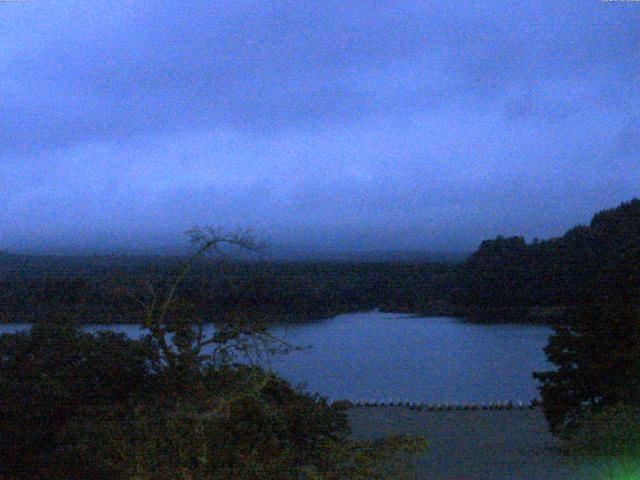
x=589 y=264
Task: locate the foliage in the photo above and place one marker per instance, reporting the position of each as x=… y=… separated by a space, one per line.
x=235 y=436
x=107 y=291
x=613 y=431
x=599 y=263
x=597 y=353
x=270 y=432
x=387 y=458
x=175 y=404
x=55 y=373
x=610 y=438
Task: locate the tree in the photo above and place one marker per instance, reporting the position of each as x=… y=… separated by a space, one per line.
x=176 y=404
x=598 y=263
x=596 y=349
x=224 y=420
x=53 y=374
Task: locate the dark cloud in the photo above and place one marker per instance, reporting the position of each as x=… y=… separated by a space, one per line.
x=346 y=124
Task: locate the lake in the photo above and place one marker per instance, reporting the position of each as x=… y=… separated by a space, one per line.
x=376 y=356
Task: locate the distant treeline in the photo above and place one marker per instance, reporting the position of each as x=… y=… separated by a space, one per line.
x=96 y=290
x=505 y=277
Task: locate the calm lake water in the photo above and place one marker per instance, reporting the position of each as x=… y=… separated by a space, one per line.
x=393 y=357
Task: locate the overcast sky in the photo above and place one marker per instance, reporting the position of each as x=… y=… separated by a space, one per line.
x=321 y=124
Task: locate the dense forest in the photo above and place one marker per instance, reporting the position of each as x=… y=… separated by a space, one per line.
x=103 y=289
x=508 y=277
x=596 y=264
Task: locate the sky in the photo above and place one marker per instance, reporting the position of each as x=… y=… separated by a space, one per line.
x=321 y=125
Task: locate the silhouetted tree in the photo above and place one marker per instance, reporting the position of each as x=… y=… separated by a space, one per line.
x=596 y=349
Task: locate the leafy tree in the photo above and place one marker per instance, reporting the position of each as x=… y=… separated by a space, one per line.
x=176 y=404
x=269 y=433
x=55 y=373
x=250 y=424
x=596 y=349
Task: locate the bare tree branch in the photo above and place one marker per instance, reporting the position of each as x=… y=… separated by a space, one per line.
x=215 y=241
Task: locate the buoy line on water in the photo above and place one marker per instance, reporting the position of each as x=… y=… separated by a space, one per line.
x=435 y=407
